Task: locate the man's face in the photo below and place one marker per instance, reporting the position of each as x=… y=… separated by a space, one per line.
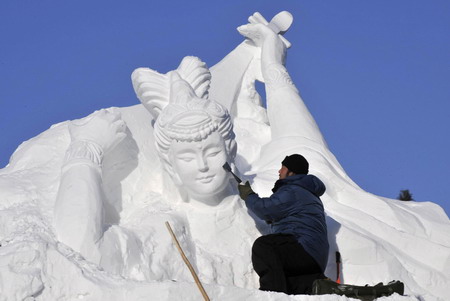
x=199 y=164
x=283 y=173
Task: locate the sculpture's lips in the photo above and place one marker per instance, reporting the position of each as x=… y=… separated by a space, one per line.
x=205 y=179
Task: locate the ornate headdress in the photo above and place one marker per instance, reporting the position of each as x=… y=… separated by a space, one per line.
x=178 y=101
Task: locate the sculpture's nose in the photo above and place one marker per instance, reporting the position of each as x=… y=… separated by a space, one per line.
x=202 y=164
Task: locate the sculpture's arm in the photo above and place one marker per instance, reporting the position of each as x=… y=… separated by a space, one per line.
x=79 y=204
x=288 y=115
x=78 y=214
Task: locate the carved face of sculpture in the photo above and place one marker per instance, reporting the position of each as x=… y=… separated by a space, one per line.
x=198 y=165
x=193 y=134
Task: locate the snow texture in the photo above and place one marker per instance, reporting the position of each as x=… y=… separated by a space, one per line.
x=379 y=239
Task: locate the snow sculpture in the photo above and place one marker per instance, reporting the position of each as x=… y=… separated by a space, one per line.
x=103 y=187
x=194 y=138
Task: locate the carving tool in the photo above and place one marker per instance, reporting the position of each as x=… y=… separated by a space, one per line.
x=227 y=167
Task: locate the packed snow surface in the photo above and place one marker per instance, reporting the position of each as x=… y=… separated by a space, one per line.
x=380 y=239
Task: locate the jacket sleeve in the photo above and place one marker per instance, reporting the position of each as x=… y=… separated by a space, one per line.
x=273 y=208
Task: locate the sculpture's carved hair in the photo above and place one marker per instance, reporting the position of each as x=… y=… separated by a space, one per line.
x=179 y=103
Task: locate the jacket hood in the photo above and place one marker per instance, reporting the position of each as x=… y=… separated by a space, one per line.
x=309 y=182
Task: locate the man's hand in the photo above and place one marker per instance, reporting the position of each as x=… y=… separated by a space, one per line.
x=245 y=190
x=104 y=128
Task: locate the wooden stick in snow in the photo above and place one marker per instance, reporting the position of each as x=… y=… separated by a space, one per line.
x=186 y=260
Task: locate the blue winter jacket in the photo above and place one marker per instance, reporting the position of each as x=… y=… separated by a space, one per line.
x=295 y=208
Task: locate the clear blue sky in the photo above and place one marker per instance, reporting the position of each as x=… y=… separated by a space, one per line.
x=374 y=74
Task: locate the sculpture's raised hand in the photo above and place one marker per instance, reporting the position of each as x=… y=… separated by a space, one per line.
x=256 y=33
x=279 y=24
x=268 y=36
x=273 y=50
x=104 y=128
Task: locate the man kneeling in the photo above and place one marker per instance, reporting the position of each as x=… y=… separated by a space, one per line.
x=296 y=253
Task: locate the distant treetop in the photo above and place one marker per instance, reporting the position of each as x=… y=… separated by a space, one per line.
x=405 y=195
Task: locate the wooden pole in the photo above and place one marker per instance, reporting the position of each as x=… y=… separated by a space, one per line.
x=186 y=260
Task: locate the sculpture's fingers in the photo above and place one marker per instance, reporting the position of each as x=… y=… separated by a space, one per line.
x=279 y=24
x=259 y=18
x=247 y=30
x=251 y=32
x=252 y=20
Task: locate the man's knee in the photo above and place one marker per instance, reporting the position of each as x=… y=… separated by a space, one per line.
x=262 y=243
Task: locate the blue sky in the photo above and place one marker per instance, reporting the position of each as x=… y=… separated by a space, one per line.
x=374 y=74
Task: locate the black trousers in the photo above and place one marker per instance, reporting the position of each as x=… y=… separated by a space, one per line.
x=283 y=265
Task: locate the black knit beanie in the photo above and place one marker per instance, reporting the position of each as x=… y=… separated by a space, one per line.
x=296 y=163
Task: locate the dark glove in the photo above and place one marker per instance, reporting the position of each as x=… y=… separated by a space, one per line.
x=245 y=190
